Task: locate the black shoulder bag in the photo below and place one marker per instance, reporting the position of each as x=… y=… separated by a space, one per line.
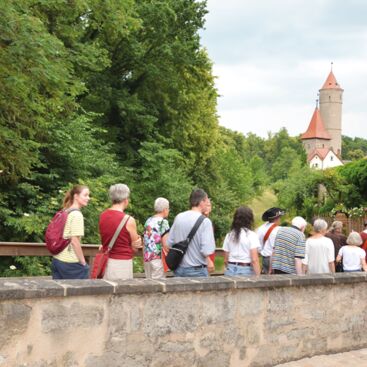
x=178 y=250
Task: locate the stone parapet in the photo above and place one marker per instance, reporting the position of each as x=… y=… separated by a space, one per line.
x=24 y=288
x=217 y=321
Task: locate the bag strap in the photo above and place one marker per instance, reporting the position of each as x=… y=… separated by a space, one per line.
x=195 y=227
x=267 y=234
x=118 y=230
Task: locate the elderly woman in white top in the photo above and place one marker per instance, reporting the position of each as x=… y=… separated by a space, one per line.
x=319 y=254
x=354 y=258
x=241 y=245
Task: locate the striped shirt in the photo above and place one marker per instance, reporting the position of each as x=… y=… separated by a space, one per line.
x=289 y=244
x=74 y=227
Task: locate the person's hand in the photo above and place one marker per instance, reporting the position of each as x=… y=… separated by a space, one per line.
x=165 y=249
x=137 y=244
x=210 y=265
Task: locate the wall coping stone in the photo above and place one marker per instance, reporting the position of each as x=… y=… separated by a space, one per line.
x=28 y=288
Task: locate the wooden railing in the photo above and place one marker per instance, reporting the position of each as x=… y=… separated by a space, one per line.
x=39 y=249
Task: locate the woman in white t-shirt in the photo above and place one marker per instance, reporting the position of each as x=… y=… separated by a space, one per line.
x=241 y=245
x=319 y=254
x=354 y=258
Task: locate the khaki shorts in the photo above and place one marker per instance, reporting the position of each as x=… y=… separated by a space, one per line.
x=154 y=269
x=118 y=269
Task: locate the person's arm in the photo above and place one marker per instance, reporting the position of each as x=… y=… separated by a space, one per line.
x=210 y=264
x=136 y=242
x=364 y=265
x=298 y=266
x=226 y=255
x=207 y=240
x=255 y=260
x=270 y=264
x=332 y=266
x=338 y=258
x=75 y=242
x=165 y=247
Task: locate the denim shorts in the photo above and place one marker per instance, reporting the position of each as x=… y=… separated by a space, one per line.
x=191 y=272
x=233 y=270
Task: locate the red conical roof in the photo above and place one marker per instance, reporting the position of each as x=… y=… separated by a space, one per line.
x=331 y=82
x=316 y=128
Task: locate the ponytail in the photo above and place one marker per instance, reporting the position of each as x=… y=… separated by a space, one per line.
x=69 y=196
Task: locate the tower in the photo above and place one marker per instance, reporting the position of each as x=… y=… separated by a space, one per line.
x=331 y=100
x=316 y=136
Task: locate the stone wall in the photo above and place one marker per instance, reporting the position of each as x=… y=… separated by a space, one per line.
x=218 y=321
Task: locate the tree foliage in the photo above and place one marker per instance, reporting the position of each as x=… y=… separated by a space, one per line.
x=99 y=92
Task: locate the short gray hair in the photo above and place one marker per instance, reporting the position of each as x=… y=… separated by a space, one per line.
x=336 y=225
x=319 y=225
x=160 y=204
x=119 y=193
x=299 y=222
x=354 y=239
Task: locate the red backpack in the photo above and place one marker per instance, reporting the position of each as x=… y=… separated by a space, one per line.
x=54 y=239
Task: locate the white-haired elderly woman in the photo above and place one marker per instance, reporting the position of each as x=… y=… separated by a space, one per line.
x=155 y=235
x=319 y=254
x=354 y=258
x=120 y=261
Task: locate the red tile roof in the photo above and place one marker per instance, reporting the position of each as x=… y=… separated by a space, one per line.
x=316 y=128
x=321 y=152
x=331 y=82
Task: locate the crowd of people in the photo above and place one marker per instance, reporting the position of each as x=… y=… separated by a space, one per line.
x=270 y=249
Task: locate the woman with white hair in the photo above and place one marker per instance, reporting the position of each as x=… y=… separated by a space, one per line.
x=354 y=258
x=120 y=260
x=155 y=236
x=319 y=254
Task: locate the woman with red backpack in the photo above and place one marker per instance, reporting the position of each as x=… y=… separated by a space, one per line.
x=70 y=262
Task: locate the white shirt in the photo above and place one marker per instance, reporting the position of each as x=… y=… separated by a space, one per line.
x=267 y=247
x=240 y=251
x=319 y=253
x=352 y=256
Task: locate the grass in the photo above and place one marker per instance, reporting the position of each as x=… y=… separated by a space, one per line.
x=261 y=203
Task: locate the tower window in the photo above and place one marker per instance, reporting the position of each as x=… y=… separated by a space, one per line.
x=331 y=158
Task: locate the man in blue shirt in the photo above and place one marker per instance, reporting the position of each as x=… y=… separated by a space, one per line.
x=196 y=262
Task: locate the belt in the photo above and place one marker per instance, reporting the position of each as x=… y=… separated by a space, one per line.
x=239 y=264
x=198 y=267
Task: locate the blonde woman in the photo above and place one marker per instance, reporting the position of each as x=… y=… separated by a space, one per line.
x=354 y=258
x=70 y=262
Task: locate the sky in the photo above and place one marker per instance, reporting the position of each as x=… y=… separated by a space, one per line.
x=271 y=57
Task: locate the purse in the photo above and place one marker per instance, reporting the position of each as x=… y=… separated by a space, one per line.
x=101 y=259
x=178 y=250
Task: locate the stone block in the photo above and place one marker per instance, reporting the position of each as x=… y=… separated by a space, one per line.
x=85 y=287
x=137 y=286
x=356 y=277
x=14 y=319
x=312 y=279
x=19 y=288
x=262 y=281
x=62 y=319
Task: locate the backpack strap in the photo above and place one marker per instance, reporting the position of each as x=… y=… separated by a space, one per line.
x=195 y=228
x=267 y=234
x=118 y=230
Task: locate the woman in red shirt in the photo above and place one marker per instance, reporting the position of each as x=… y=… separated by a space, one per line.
x=120 y=263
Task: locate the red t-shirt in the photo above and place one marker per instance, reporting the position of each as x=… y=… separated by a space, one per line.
x=108 y=223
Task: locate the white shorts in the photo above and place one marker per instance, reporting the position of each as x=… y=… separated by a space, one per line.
x=154 y=269
x=118 y=269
